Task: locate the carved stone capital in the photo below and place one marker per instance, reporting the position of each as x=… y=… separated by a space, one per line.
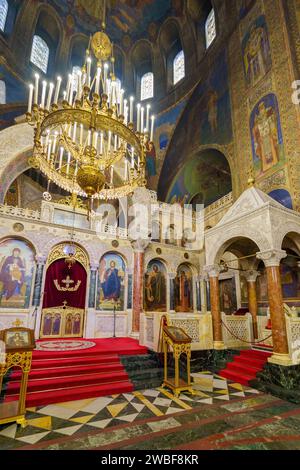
x=94 y=266
x=271 y=257
x=171 y=275
x=212 y=270
x=251 y=275
x=40 y=259
x=140 y=245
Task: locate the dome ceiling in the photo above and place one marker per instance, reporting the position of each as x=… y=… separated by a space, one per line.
x=127 y=20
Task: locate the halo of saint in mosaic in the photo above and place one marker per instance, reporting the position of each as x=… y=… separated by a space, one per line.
x=155 y=287
x=64 y=345
x=111 y=282
x=16 y=273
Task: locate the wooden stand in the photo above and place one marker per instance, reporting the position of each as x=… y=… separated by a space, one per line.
x=15 y=411
x=180 y=343
x=19 y=343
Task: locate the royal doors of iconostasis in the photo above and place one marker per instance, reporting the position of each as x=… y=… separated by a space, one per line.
x=64 y=296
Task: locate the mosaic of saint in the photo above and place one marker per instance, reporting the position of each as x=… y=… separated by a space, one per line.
x=184 y=290
x=228 y=300
x=256 y=52
x=111 y=284
x=155 y=296
x=16 y=273
x=267 y=141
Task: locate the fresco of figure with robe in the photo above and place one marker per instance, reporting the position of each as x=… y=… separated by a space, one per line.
x=155 y=295
x=267 y=141
x=16 y=273
x=184 y=290
x=256 y=52
x=111 y=282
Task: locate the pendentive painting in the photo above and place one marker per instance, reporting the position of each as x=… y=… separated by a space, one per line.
x=184 y=290
x=256 y=52
x=266 y=135
x=111 y=283
x=155 y=293
x=16 y=273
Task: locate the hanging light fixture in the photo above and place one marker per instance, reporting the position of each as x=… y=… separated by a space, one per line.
x=90 y=140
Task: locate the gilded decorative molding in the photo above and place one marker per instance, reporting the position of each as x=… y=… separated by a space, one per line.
x=58 y=253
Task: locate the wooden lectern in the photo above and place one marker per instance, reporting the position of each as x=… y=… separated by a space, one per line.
x=18 y=344
x=180 y=343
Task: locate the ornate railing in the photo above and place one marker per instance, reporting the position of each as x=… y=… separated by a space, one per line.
x=19 y=212
x=237 y=330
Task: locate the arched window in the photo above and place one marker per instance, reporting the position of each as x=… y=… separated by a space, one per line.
x=147 y=86
x=210 y=28
x=178 y=67
x=40 y=53
x=3 y=14
x=2 y=92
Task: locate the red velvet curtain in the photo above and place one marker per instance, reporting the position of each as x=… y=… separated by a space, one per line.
x=59 y=271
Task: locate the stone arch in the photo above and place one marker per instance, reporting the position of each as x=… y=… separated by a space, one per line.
x=16 y=143
x=54 y=242
x=117 y=253
x=223 y=242
x=289 y=228
x=25 y=239
x=154 y=257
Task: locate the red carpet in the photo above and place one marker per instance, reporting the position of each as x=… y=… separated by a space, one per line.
x=245 y=366
x=61 y=376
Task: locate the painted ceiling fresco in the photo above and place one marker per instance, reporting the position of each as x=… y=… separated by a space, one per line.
x=127 y=20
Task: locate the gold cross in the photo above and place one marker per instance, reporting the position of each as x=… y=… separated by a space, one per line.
x=68 y=281
x=17 y=323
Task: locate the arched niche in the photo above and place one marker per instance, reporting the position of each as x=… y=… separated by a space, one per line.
x=142 y=62
x=111 y=282
x=183 y=289
x=155 y=286
x=48 y=28
x=171 y=45
x=78 y=47
x=17 y=272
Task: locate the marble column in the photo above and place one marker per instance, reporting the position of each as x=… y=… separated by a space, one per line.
x=129 y=291
x=93 y=283
x=38 y=281
x=272 y=260
x=213 y=272
x=171 y=277
x=203 y=294
x=139 y=246
x=251 y=277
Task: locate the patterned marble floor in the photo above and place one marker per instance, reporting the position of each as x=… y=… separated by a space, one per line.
x=221 y=415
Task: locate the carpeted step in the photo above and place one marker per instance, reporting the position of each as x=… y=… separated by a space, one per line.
x=67 y=371
x=236 y=376
x=253 y=364
x=242 y=368
x=67 y=382
x=75 y=393
x=75 y=361
x=259 y=363
x=255 y=354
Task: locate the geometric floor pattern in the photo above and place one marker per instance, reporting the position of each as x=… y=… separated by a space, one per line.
x=155 y=419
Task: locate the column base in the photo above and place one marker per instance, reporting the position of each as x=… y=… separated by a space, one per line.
x=280 y=359
x=134 y=335
x=219 y=345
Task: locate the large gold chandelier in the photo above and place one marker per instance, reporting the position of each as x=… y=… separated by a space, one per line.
x=90 y=141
